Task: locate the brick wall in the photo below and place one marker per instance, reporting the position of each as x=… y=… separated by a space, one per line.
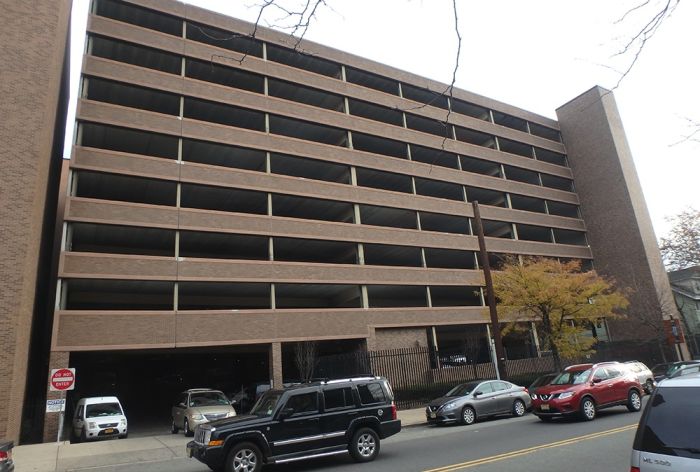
x=398 y=338
x=33 y=46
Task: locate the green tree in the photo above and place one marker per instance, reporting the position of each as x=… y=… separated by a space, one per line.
x=561 y=299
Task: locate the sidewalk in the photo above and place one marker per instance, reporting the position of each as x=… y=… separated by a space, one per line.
x=63 y=456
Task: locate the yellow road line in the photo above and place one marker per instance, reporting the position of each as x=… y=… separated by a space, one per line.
x=529 y=450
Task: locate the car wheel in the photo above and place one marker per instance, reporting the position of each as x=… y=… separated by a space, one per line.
x=186 y=428
x=364 y=445
x=173 y=427
x=518 y=408
x=545 y=419
x=83 y=436
x=649 y=386
x=244 y=457
x=124 y=436
x=634 y=401
x=588 y=410
x=468 y=415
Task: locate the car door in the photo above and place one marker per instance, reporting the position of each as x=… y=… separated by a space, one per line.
x=339 y=409
x=602 y=388
x=504 y=397
x=178 y=410
x=78 y=420
x=485 y=402
x=301 y=430
x=618 y=384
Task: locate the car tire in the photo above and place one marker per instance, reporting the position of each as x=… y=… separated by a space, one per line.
x=83 y=436
x=467 y=416
x=124 y=436
x=244 y=457
x=634 y=401
x=545 y=419
x=364 y=445
x=649 y=386
x=173 y=427
x=588 y=409
x=519 y=408
x=186 y=428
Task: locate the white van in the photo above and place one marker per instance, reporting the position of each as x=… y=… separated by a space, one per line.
x=99 y=417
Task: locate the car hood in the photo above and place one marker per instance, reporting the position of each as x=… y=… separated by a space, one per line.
x=442 y=400
x=210 y=410
x=551 y=389
x=106 y=419
x=240 y=421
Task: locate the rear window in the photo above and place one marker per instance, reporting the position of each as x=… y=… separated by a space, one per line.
x=371 y=393
x=338 y=398
x=671 y=423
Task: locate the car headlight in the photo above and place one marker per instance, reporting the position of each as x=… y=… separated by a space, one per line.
x=533 y=396
x=565 y=395
x=230 y=414
x=92 y=425
x=197 y=417
x=123 y=422
x=449 y=406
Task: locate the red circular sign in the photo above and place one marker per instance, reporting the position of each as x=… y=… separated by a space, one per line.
x=62 y=379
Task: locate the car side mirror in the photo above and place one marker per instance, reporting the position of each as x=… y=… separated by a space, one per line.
x=286 y=413
x=597 y=380
x=182 y=405
x=476 y=394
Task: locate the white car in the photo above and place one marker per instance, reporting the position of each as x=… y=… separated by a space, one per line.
x=99 y=417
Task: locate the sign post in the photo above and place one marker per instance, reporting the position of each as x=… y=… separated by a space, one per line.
x=60 y=381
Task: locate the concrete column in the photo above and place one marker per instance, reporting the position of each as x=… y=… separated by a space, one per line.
x=276 y=365
x=57 y=359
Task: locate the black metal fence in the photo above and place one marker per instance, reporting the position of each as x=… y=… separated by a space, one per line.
x=420 y=374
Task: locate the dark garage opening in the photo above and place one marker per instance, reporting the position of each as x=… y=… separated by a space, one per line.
x=147 y=382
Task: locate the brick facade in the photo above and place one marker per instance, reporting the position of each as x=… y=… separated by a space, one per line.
x=33 y=43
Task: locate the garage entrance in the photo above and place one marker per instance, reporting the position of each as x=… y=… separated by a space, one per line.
x=147 y=381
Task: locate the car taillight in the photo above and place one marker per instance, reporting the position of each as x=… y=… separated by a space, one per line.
x=4 y=456
x=527 y=391
x=634 y=469
x=393 y=411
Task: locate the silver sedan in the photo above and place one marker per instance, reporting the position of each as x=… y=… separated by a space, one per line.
x=468 y=402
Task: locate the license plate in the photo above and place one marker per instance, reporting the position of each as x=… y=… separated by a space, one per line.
x=544 y=407
x=109 y=431
x=433 y=415
x=189 y=452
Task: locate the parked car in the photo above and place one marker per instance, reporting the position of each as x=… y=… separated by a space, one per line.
x=662 y=371
x=667 y=436
x=97 y=418
x=468 y=402
x=198 y=406
x=542 y=380
x=685 y=370
x=6 y=463
x=300 y=422
x=586 y=388
x=643 y=374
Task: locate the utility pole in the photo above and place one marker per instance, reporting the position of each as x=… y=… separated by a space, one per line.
x=490 y=297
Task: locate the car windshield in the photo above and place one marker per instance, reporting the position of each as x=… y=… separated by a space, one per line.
x=462 y=389
x=266 y=404
x=208 y=399
x=572 y=378
x=660 y=369
x=102 y=409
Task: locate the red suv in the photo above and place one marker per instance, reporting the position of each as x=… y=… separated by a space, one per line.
x=584 y=389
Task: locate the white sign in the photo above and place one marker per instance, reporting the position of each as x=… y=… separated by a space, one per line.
x=55 y=406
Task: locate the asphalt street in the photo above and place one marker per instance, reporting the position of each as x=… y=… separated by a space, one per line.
x=496 y=445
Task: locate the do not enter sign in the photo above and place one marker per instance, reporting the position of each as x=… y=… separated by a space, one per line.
x=62 y=379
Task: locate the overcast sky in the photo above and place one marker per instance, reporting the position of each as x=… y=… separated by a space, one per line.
x=536 y=55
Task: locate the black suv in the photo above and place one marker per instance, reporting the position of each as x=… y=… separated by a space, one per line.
x=301 y=422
